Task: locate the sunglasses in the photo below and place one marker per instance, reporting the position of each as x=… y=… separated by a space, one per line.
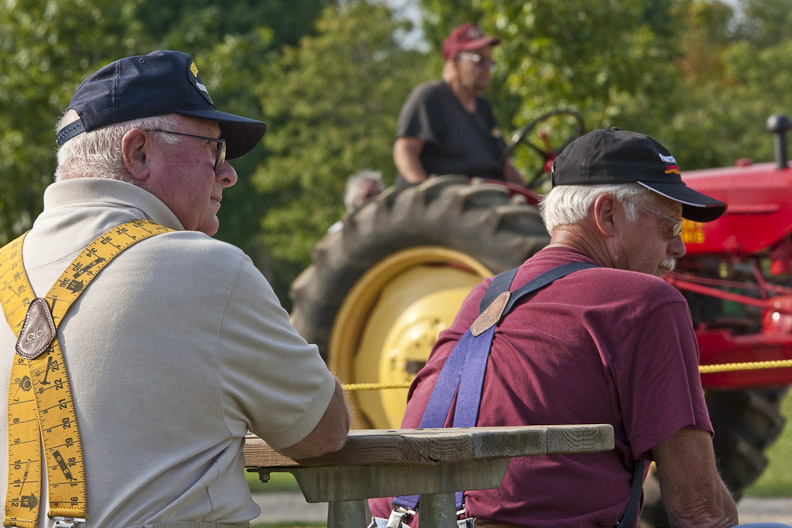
x=478 y=59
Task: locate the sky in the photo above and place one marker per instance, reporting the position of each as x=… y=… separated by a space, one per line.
x=409 y=9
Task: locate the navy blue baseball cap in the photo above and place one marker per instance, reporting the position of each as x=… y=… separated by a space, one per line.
x=160 y=83
x=619 y=156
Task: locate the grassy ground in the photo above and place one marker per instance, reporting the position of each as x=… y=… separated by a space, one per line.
x=776 y=481
x=278 y=482
x=289 y=525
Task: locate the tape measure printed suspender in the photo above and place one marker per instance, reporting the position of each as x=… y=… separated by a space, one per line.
x=40 y=402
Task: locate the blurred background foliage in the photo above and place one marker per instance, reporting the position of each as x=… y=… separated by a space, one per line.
x=329 y=77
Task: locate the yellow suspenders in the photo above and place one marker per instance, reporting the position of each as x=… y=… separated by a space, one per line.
x=40 y=403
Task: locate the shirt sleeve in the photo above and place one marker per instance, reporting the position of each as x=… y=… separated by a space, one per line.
x=417 y=117
x=657 y=378
x=272 y=379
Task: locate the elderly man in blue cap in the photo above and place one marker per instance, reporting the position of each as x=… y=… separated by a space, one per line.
x=145 y=349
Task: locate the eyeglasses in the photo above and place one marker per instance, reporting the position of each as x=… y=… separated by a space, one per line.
x=221 y=144
x=478 y=59
x=676 y=231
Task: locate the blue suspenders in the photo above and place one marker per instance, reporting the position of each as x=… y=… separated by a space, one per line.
x=464 y=370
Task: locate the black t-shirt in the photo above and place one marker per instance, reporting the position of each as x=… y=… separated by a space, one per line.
x=457 y=141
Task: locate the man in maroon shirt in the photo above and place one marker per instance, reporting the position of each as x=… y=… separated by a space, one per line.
x=610 y=344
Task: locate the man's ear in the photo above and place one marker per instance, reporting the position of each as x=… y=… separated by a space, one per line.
x=605 y=206
x=134 y=151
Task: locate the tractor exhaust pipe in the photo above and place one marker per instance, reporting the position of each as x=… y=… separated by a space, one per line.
x=780 y=124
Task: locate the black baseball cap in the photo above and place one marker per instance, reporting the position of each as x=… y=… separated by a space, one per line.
x=618 y=156
x=160 y=83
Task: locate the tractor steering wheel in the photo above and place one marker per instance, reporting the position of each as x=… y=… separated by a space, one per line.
x=547 y=151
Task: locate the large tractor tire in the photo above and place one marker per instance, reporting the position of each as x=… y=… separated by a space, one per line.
x=382 y=288
x=746 y=423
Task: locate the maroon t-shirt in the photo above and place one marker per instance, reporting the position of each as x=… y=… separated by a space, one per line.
x=598 y=346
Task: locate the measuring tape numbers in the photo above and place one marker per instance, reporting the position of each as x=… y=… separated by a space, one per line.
x=40 y=402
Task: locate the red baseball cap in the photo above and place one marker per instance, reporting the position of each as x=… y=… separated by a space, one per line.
x=466 y=37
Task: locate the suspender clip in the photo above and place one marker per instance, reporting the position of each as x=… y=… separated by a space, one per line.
x=67 y=522
x=396 y=516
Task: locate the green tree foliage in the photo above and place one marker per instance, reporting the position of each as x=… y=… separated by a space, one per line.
x=440 y=16
x=700 y=75
x=606 y=59
x=333 y=103
x=199 y=24
x=235 y=71
x=764 y=23
x=733 y=77
x=46 y=46
x=235 y=45
x=593 y=56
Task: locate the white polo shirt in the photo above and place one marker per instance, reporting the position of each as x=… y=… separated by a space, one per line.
x=175 y=351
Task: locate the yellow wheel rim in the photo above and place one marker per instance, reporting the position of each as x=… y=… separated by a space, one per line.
x=390 y=319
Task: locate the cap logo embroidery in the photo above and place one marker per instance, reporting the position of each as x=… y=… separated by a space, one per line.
x=198 y=84
x=475 y=32
x=670 y=169
x=202 y=88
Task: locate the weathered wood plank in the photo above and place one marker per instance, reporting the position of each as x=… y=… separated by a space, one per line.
x=433 y=446
x=344 y=483
x=569 y=439
x=430 y=462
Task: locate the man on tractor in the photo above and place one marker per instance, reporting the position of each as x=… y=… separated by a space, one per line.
x=446 y=126
x=604 y=341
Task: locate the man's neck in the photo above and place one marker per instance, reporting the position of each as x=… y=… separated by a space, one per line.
x=466 y=97
x=579 y=237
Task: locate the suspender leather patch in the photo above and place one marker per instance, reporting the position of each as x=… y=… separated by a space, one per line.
x=491 y=315
x=38 y=330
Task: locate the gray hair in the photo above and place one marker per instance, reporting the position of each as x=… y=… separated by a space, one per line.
x=569 y=204
x=97 y=154
x=361 y=187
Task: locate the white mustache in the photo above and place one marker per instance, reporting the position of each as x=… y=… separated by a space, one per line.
x=668 y=264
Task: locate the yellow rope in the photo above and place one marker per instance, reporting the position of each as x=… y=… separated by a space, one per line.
x=375 y=386
x=748 y=365
x=704 y=369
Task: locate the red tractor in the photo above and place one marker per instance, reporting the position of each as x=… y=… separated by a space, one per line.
x=382 y=288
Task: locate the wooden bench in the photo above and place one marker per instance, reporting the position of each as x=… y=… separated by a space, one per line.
x=433 y=463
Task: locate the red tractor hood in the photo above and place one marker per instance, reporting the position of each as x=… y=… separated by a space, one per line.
x=759 y=197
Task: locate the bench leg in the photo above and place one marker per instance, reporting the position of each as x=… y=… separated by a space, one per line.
x=438 y=510
x=345 y=514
